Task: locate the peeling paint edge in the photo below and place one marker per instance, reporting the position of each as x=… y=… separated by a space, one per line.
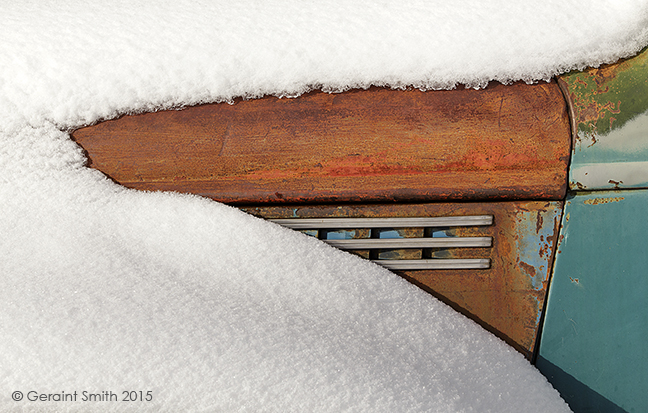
x=608 y=175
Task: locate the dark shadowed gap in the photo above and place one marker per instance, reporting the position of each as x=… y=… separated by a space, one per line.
x=581 y=398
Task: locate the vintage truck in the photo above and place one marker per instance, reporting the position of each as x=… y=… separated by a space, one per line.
x=522 y=206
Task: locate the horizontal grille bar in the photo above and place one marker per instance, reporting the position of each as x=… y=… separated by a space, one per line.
x=344 y=223
x=435 y=264
x=374 y=243
x=388 y=247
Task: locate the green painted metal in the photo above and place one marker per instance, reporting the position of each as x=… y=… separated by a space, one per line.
x=610 y=118
x=593 y=347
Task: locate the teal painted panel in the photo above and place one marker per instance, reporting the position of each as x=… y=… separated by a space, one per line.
x=594 y=340
x=610 y=115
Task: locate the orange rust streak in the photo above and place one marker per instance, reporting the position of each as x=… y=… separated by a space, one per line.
x=503 y=141
x=599 y=201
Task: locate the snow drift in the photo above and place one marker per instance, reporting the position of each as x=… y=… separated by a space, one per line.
x=110 y=290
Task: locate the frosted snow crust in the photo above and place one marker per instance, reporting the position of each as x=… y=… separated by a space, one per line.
x=77 y=61
x=108 y=289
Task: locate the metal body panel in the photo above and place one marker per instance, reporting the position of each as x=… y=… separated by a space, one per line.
x=506 y=298
x=609 y=107
x=593 y=344
x=375 y=145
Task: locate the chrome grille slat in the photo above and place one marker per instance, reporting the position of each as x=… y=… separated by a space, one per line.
x=435 y=264
x=373 y=243
x=346 y=223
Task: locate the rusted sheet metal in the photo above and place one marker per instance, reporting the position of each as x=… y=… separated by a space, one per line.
x=609 y=108
x=399 y=254
x=357 y=146
x=508 y=298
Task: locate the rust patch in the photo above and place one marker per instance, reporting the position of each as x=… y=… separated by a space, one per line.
x=545 y=250
x=615 y=183
x=599 y=201
x=529 y=269
x=605 y=98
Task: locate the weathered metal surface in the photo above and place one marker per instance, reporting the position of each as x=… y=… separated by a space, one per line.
x=593 y=343
x=357 y=146
x=399 y=254
x=507 y=298
x=609 y=108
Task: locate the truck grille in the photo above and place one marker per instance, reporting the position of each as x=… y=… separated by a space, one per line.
x=418 y=238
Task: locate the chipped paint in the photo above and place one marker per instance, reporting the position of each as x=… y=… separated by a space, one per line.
x=535 y=230
x=607 y=98
x=535 y=236
x=599 y=201
x=609 y=110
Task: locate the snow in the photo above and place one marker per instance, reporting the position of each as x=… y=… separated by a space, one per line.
x=105 y=289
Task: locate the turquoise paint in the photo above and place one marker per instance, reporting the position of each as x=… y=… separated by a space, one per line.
x=442 y=233
x=340 y=234
x=311 y=232
x=390 y=233
x=533 y=241
x=593 y=343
